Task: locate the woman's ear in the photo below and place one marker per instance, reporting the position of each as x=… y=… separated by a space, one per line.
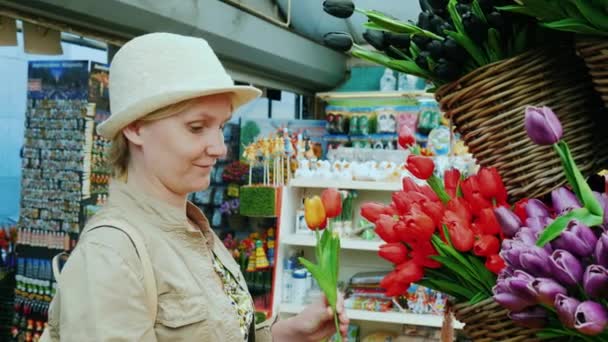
x=133 y=133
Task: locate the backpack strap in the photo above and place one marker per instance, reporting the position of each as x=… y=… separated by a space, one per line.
x=140 y=248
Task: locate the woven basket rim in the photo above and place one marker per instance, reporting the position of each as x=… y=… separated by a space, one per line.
x=446 y=88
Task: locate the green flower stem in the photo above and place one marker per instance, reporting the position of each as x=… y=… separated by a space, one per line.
x=584 y=194
x=437 y=185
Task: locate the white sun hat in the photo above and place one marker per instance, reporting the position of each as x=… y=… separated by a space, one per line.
x=160 y=69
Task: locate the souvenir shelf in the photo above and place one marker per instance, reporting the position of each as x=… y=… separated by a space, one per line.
x=357 y=255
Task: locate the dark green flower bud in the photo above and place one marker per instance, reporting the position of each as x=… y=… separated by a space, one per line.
x=398 y=40
x=339 y=8
x=341 y=41
x=376 y=38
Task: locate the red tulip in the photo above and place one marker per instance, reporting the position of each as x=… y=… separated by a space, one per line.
x=390 y=210
x=406 y=137
x=409 y=185
x=478 y=203
x=393 y=252
x=460 y=208
x=491 y=185
x=451 y=179
x=332 y=201
x=469 y=187
x=486 y=245
x=371 y=211
x=419 y=166
x=416 y=227
x=385 y=228
x=495 y=264
x=421 y=253
x=520 y=209
x=462 y=237
x=401 y=202
x=416 y=197
x=392 y=286
x=435 y=211
x=429 y=193
x=409 y=272
x=471 y=191
x=488 y=223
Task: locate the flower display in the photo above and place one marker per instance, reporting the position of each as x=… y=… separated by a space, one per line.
x=443 y=235
x=555 y=276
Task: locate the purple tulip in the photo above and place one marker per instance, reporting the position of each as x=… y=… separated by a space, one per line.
x=519 y=285
x=538 y=224
x=566 y=308
x=509 y=222
x=603 y=199
x=542 y=125
x=534 y=317
x=564 y=200
x=527 y=236
x=566 y=268
x=591 y=318
x=510 y=252
x=534 y=260
x=595 y=281
x=577 y=238
x=509 y=300
x=601 y=250
x=546 y=290
x=536 y=208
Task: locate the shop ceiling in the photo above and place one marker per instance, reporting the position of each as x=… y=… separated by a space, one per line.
x=246 y=34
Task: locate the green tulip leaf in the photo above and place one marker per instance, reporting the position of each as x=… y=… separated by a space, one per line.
x=556 y=227
x=486 y=276
x=573 y=25
x=395 y=25
x=452 y=287
x=478 y=297
x=456 y=268
x=478 y=11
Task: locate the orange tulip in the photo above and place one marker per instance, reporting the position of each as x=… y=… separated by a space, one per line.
x=314 y=213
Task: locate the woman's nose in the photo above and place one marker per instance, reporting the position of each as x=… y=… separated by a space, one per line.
x=217 y=147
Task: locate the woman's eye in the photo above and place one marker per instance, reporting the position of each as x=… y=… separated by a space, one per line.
x=196 y=129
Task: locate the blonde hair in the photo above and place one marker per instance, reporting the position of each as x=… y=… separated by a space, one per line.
x=118 y=156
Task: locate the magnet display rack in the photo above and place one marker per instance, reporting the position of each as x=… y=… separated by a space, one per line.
x=58 y=178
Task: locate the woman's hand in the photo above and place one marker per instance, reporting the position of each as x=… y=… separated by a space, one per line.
x=315 y=323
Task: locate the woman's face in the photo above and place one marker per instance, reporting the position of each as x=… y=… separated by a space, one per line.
x=180 y=150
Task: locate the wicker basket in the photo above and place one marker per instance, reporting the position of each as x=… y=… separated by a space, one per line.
x=594 y=52
x=487 y=107
x=487 y=321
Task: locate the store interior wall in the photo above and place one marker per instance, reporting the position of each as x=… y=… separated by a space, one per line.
x=13 y=93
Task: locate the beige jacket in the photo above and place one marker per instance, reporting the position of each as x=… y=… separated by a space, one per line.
x=102 y=292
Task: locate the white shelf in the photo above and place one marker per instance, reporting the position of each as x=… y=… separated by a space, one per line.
x=350 y=185
x=374 y=94
x=309 y=240
x=382 y=317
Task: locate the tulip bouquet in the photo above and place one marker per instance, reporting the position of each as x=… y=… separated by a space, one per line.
x=317 y=212
x=588 y=17
x=557 y=256
x=450 y=39
x=443 y=235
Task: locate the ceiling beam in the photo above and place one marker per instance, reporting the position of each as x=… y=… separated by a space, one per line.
x=251 y=48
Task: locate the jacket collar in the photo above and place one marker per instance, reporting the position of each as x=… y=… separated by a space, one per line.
x=162 y=213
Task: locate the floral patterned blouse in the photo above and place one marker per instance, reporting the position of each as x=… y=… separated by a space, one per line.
x=239 y=297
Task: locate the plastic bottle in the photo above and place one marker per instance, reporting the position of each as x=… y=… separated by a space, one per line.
x=388 y=82
x=287 y=290
x=300 y=286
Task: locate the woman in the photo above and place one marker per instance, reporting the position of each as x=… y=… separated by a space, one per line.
x=170 y=98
